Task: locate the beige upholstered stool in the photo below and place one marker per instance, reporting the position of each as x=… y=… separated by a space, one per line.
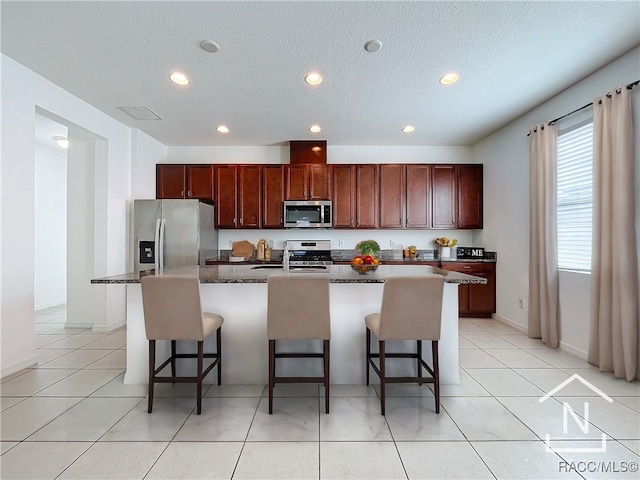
x=172 y=311
x=298 y=308
x=411 y=310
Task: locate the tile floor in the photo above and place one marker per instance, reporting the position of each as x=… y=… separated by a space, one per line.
x=72 y=417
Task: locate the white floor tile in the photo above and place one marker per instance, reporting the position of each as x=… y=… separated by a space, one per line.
x=6 y=446
x=616 y=420
x=467 y=387
x=415 y=419
x=80 y=384
x=464 y=344
x=598 y=465
x=465 y=328
x=117 y=388
x=41 y=460
x=76 y=359
x=504 y=382
x=349 y=391
x=281 y=460
x=521 y=460
x=631 y=402
x=477 y=359
x=482 y=418
x=86 y=421
x=437 y=460
x=405 y=390
x=115 y=359
x=523 y=341
x=546 y=379
x=235 y=391
x=42 y=341
x=293 y=390
x=108 y=342
x=33 y=381
x=186 y=390
x=221 y=420
x=196 y=461
x=6 y=402
x=517 y=358
x=608 y=383
x=28 y=416
x=633 y=445
x=115 y=460
x=487 y=341
x=354 y=419
x=557 y=357
x=46 y=355
x=72 y=341
x=360 y=460
x=293 y=420
x=497 y=327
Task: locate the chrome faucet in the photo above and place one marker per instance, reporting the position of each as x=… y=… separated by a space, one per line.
x=286 y=255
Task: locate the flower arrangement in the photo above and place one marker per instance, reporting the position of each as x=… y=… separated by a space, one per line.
x=445 y=242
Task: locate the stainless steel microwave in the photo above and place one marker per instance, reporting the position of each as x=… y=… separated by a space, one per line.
x=308 y=214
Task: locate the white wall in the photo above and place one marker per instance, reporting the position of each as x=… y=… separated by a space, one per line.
x=50 y=226
x=505 y=155
x=23 y=92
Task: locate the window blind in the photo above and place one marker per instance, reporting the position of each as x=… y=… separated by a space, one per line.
x=575 y=198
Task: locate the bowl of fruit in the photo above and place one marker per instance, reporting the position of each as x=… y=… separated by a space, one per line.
x=366 y=261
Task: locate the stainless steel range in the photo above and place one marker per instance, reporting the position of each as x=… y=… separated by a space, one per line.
x=307 y=255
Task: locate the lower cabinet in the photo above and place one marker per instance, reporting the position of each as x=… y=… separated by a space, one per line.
x=475 y=300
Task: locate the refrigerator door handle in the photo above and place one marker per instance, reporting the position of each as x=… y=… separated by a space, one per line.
x=162 y=224
x=157 y=245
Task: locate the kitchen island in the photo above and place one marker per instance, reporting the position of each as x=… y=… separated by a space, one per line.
x=239 y=294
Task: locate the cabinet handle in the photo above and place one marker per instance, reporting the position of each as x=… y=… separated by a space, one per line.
x=467 y=267
x=182 y=193
x=189 y=193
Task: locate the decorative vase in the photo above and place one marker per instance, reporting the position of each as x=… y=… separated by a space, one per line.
x=445 y=252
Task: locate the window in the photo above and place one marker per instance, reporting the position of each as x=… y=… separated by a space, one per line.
x=575 y=198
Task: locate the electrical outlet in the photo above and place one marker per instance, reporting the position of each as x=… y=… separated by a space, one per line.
x=391 y=243
x=271 y=244
x=521 y=303
x=230 y=243
x=341 y=243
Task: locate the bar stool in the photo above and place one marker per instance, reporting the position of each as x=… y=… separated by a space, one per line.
x=172 y=311
x=298 y=308
x=411 y=310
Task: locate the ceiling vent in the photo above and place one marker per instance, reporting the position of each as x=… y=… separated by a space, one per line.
x=308 y=151
x=141 y=113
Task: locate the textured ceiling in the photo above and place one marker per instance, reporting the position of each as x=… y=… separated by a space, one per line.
x=511 y=56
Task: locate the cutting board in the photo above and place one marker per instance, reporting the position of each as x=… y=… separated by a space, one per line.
x=242 y=248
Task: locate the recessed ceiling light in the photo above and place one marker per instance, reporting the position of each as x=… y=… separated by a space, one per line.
x=63 y=142
x=315 y=128
x=222 y=129
x=209 y=46
x=313 y=78
x=449 y=78
x=179 y=78
x=408 y=129
x=373 y=46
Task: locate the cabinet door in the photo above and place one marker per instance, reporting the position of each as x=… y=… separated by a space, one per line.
x=273 y=195
x=367 y=196
x=444 y=196
x=418 y=196
x=170 y=180
x=296 y=181
x=319 y=182
x=225 y=193
x=392 y=195
x=249 y=196
x=200 y=182
x=469 y=196
x=482 y=298
x=343 y=195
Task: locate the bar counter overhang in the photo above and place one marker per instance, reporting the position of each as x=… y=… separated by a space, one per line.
x=239 y=294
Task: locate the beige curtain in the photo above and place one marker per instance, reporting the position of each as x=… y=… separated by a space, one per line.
x=614 y=265
x=543 y=251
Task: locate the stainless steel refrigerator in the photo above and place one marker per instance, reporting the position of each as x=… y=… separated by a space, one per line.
x=173 y=233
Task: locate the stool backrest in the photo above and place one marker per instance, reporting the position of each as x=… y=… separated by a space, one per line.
x=298 y=308
x=411 y=308
x=172 y=309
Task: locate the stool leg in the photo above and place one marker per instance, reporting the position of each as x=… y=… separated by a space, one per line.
x=272 y=371
x=152 y=367
x=219 y=348
x=326 y=353
x=173 y=359
x=368 y=355
x=200 y=352
x=436 y=374
x=419 y=358
x=382 y=376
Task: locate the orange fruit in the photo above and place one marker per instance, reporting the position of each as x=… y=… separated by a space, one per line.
x=357 y=261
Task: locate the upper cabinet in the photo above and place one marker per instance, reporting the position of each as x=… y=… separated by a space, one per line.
x=418 y=196
x=184 y=181
x=392 y=196
x=307 y=182
x=273 y=195
x=367 y=196
x=444 y=196
x=344 y=195
x=226 y=179
x=470 y=196
x=249 y=202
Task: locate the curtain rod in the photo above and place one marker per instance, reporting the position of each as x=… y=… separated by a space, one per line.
x=629 y=87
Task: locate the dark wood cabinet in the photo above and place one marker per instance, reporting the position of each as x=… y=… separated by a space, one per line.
x=296 y=182
x=470 y=196
x=319 y=182
x=418 y=196
x=344 y=193
x=225 y=187
x=444 y=196
x=475 y=300
x=308 y=151
x=184 y=181
x=392 y=196
x=249 y=201
x=367 y=194
x=273 y=196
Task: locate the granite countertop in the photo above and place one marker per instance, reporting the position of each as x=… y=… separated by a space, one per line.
x=248 y=274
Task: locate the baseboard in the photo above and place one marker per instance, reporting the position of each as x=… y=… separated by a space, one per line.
x=56 y=303
x=511 y=323
x=108 y=328
x=16 y=367
x=571 y=350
